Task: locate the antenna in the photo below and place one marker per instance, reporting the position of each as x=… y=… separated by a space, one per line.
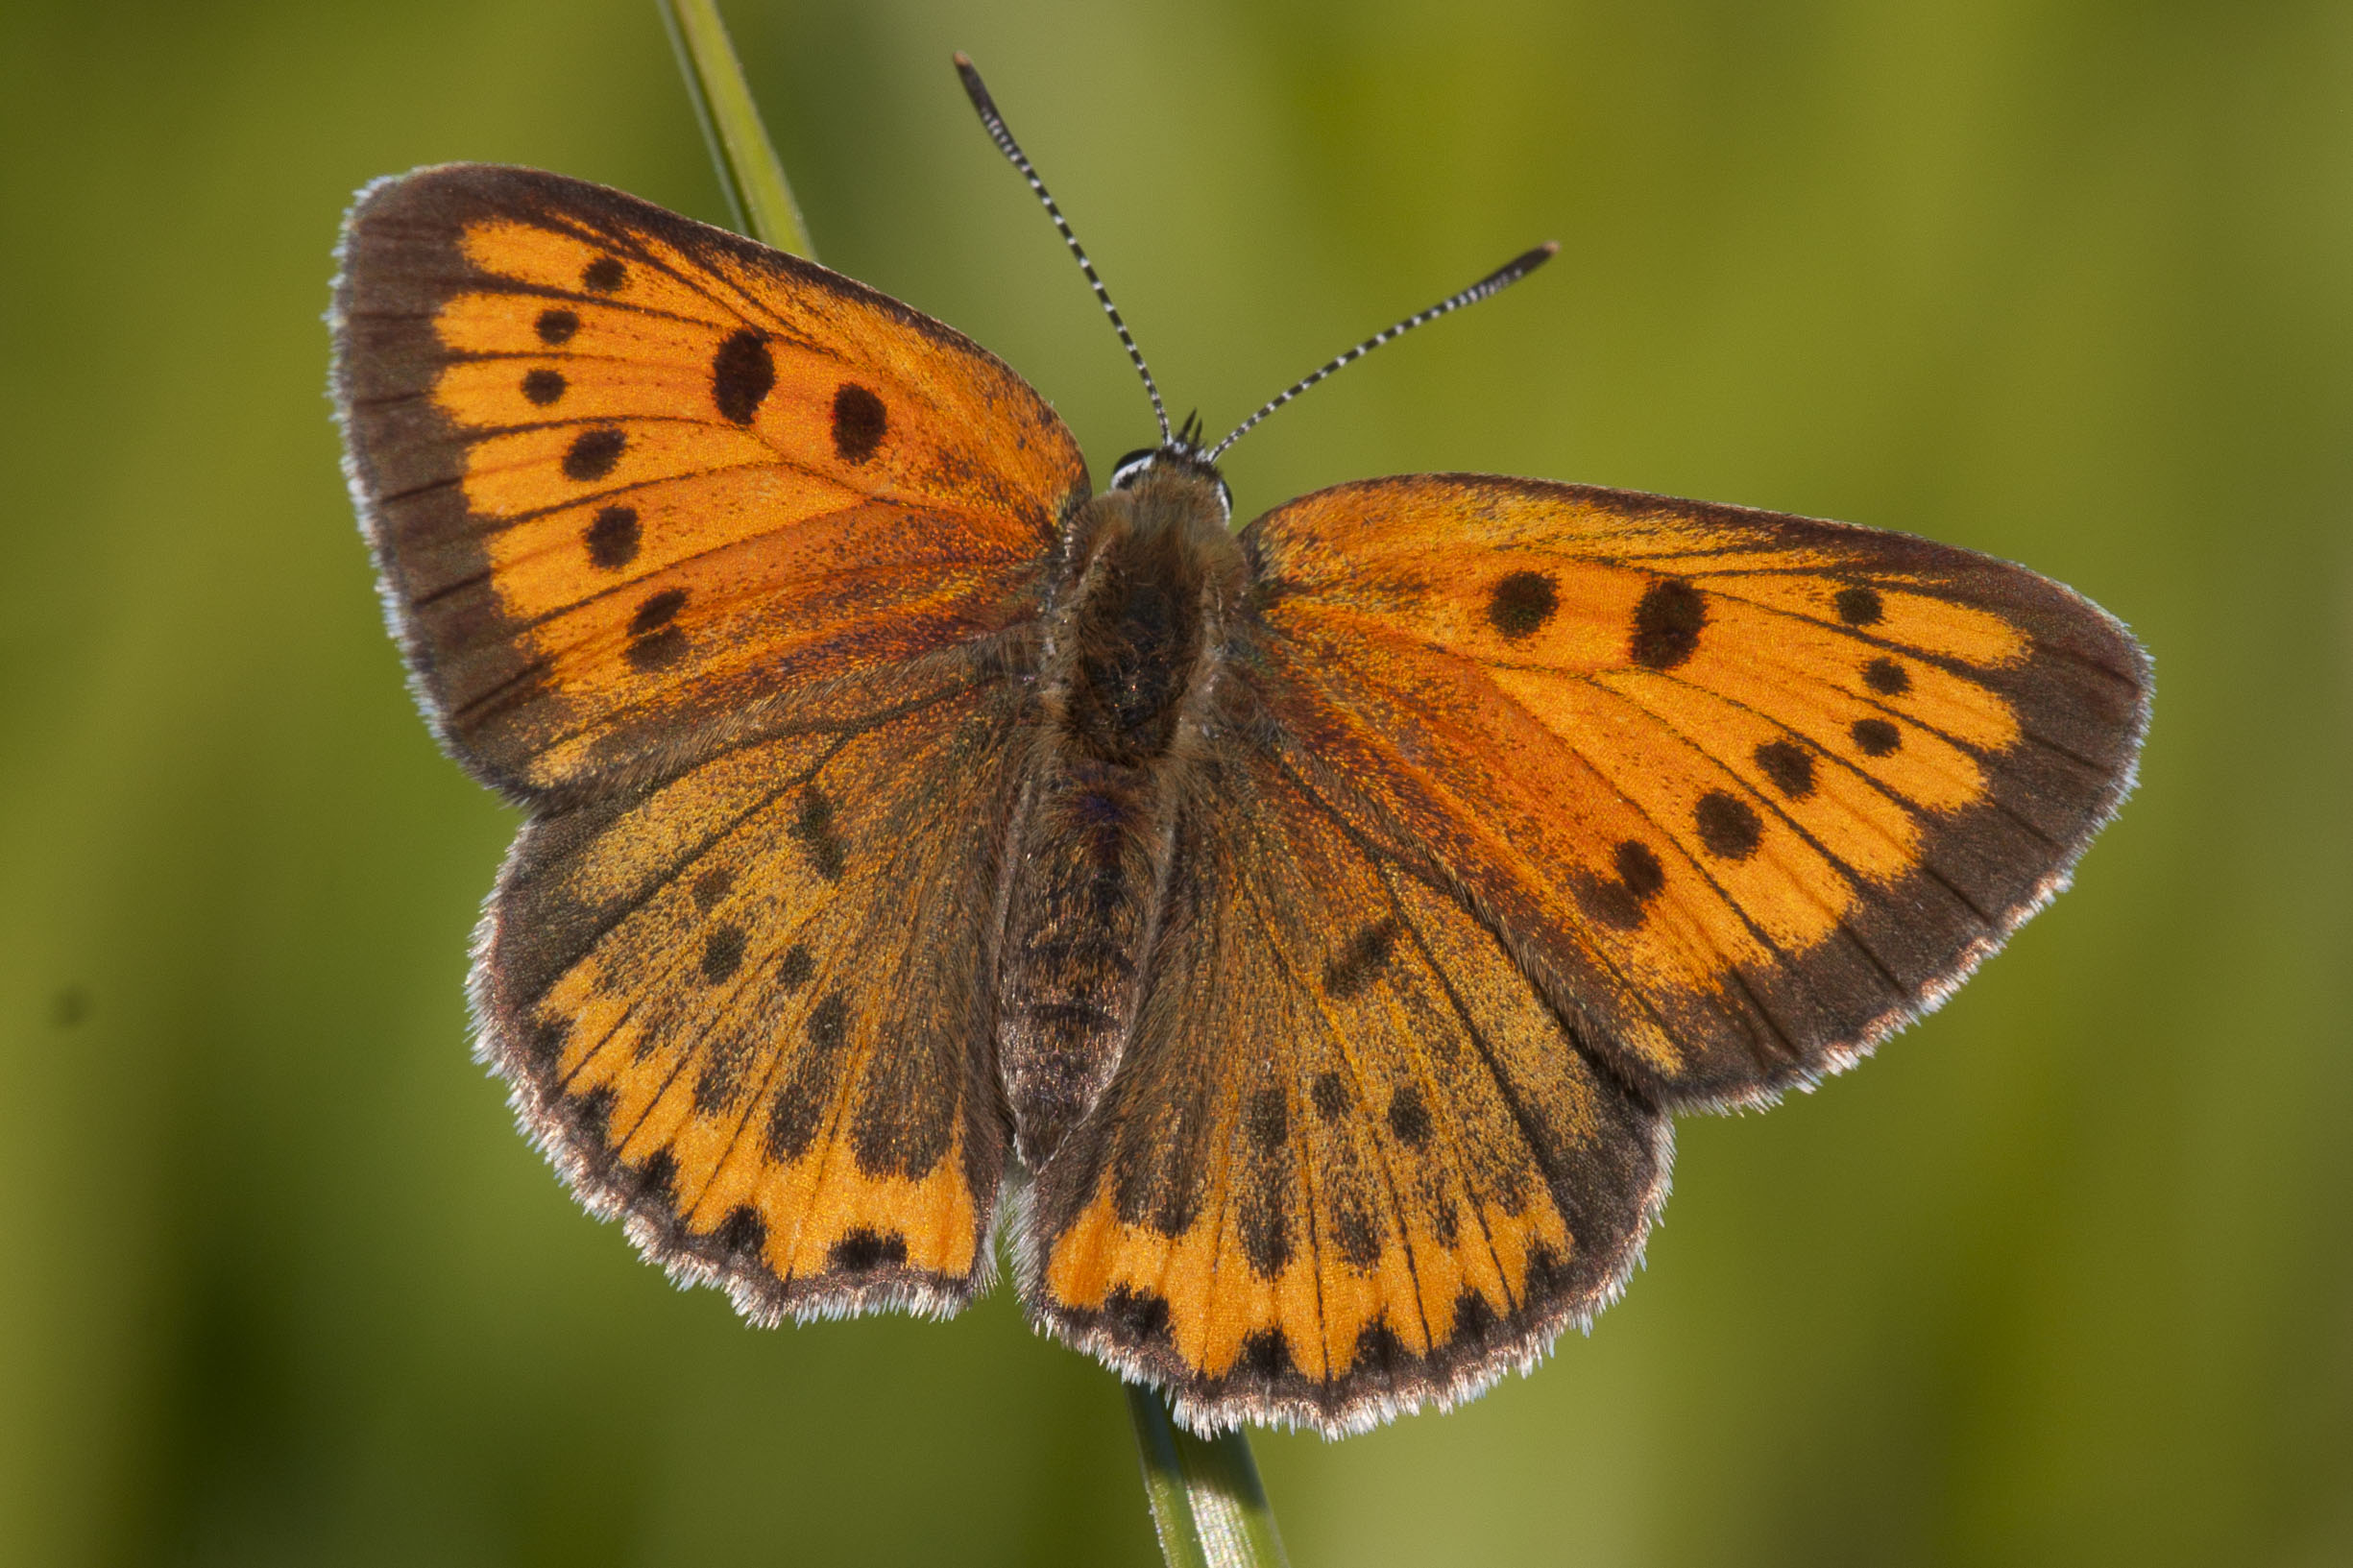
x=1495 y=283
x=978 y=91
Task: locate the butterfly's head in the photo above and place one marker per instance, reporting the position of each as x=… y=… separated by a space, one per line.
x=1179 y=461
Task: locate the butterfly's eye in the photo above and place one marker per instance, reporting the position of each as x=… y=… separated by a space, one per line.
x=1131 y=468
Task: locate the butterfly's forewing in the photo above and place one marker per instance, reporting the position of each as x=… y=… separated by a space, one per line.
x=1349 y=1161
x=1743 y=792
x=638 y=485
x=719 y=561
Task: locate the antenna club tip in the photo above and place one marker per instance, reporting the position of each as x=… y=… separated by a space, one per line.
x=1550 y=248
x=975 y=88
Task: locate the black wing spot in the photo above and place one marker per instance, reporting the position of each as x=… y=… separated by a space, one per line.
x=809 y=1085
x=1617 y=901
x=604 y=275
x=1331 y=1094
x=1268 y=1118
x=1266 y=1355
x=613 y=537
x=1136 y=1317
x=1358 y=964
x=648 y=654
x=727 y=1062
x=1666 y=623
x=556 y=326
x=1356 y=1230
x=1546 y=1271
x=1409 y=1115
x=1727 y=826
x=722 y=954
x=1521 y=603
x=793 y=969
x=814 y=827
x=1639 y=869
x=743 y=1234
x=712 y=886
x=829 y=1024
x=1378 y=1349
x=1265 y=1238
x=741 y=376
x=1886 y=677
x=546 y=1047
x=657 y=1179
x=863 y=1251
x=657 y=611
x=859 y=421
x=1474 y=1321
x=653 y=642
x=1876 y=736
x=1859 y=606
x=593 y=453
x=592 y=1113
x=544 y=386
x=1792 y=768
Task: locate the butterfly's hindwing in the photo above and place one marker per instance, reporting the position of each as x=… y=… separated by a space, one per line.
x=1350 y=1161
x=750 y=1006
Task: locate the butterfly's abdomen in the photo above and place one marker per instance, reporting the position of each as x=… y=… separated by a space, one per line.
x=1130 y=663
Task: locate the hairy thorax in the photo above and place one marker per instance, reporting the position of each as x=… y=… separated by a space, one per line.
x=1137 y=641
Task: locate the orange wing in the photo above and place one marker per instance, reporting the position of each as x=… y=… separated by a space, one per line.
x=1743 y=792
x=721 y=565
x=750 y=1006
x=638 y=487
x=1349 y=1161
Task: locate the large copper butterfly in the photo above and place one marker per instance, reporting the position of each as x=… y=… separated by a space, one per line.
x=1297 y=939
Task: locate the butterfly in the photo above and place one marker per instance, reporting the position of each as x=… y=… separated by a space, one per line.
x=1294 y=941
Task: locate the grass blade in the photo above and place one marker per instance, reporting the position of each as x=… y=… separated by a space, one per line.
x=750 y=173
x=1206 y=1502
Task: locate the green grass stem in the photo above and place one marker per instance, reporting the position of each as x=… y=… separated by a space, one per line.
x=1206 y=1502
x=750 y=173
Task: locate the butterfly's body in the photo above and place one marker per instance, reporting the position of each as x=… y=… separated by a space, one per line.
x=1139 y=628
x=1314 y=929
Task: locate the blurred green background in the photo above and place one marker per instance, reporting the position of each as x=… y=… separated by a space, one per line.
x=2065 y=1275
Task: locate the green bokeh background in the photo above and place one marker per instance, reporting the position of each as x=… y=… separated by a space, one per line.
x=2066 y=1275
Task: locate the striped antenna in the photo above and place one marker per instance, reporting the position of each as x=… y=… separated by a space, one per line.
x=978 y=91
x=1495 y=283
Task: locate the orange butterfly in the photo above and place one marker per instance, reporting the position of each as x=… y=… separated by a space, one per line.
x=1304 y=935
